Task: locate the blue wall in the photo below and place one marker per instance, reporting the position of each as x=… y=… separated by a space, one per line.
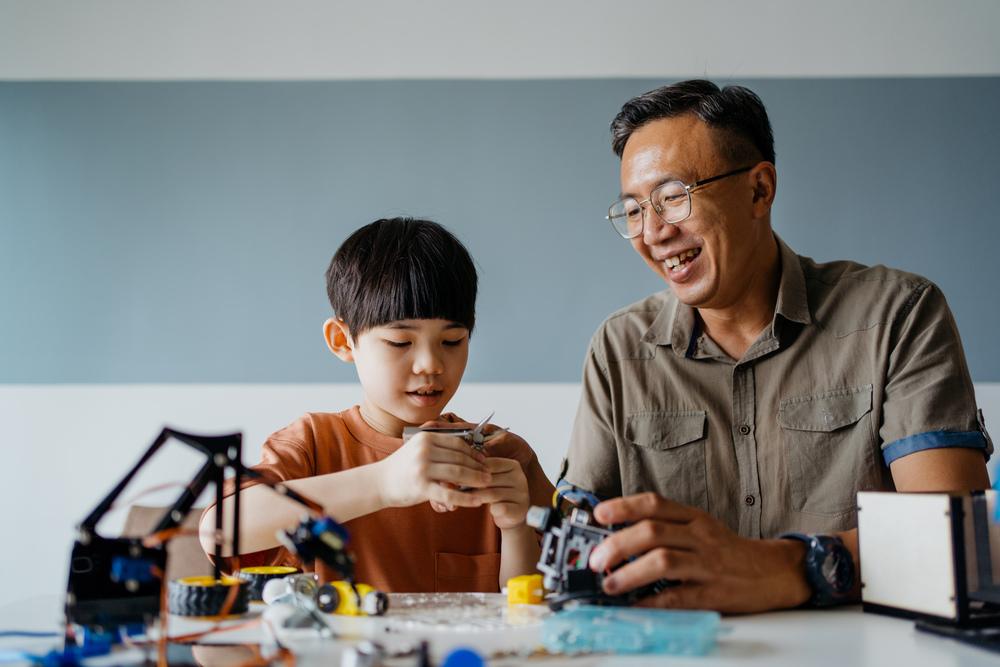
x=178 y=232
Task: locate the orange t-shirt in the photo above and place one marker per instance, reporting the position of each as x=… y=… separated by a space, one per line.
x=405 y=549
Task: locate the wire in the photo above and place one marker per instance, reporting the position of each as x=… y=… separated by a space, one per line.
x=28 y=633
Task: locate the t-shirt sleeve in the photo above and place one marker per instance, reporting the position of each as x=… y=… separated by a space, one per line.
x=592 y=457
x=929 y=397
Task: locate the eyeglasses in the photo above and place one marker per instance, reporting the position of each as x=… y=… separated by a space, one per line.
x=671 y=201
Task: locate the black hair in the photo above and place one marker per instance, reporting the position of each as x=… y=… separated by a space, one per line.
x=400 y=269
x=734 y=110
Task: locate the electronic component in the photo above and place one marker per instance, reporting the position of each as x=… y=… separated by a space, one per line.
x=525 y=589
x=567 y=544
x=117 y=583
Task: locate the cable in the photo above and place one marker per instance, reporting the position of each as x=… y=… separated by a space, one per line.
x=28 y=633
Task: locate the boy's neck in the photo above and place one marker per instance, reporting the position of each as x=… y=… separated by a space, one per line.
x=384 y=422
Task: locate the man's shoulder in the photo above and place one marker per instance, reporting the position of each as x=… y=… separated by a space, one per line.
x=850 y=295
x=621 y=333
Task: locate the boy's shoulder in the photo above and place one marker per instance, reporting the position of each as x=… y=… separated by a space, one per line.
x=313 y=427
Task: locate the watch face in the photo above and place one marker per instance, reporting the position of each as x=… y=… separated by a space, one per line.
x=837 y=569
x=828 y=568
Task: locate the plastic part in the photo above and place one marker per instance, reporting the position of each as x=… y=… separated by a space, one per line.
x=205 y=596
x=463 y=657
x=257 y=577
x=338 y=597
x=525 y=589
x=590 y=629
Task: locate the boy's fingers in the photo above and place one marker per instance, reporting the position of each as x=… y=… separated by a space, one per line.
x=456 y=474
x=498 y=465
x=451 y=498
x=441 y=455
x=454 y=443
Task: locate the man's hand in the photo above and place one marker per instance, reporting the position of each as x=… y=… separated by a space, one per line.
x=430 y=467
x=716 y=568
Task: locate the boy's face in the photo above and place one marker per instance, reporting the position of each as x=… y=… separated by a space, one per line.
x=409 y=369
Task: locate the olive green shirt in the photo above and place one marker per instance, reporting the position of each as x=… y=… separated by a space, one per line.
x=860 y=366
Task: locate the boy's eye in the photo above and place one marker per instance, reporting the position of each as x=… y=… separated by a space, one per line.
x=396 y=343
x=453 y=343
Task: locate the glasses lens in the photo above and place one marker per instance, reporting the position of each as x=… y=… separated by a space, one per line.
x=672 y=201
x=626 y=217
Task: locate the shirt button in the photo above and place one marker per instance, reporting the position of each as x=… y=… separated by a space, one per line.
x=749 y=500
x=744 y=429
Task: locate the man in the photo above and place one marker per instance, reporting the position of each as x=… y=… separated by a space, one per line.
x=762 y=391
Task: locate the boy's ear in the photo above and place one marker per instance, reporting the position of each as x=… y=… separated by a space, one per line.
x=338 y=339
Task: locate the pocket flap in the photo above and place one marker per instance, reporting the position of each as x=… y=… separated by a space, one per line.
x=826 y=412
x=665 y=430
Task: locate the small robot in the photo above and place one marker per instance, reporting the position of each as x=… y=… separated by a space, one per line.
x=568 y=541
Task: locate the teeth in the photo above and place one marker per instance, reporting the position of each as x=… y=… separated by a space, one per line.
x=677 y=260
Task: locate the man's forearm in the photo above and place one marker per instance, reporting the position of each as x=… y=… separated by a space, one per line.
x=345 y=495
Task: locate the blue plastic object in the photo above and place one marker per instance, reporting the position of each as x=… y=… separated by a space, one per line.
x=463 y=657
x=137 y=569
x=588 y=629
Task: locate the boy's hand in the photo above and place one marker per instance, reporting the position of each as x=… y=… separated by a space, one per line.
x=428 y=467
x=507 y=494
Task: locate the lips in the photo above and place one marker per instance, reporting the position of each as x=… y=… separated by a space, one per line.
x=425 y=396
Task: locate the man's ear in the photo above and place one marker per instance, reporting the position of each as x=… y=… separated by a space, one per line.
x=765 y=184
x=338 y=339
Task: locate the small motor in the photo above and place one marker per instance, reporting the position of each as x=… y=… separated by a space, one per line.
x=336 y=597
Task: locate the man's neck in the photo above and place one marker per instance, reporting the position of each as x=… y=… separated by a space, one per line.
x=736 y=326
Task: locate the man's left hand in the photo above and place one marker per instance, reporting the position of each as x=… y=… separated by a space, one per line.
x=716 y=568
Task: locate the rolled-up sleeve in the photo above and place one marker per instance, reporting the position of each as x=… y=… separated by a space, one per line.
x=930 y=402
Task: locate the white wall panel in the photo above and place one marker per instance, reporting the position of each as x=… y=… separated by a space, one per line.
x=378 y=39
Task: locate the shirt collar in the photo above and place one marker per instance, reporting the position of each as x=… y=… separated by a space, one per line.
x=675 y=324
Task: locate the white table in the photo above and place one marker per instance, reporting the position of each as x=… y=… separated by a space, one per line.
x=833 y=637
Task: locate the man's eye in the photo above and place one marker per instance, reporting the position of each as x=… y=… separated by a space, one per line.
x=395 y=343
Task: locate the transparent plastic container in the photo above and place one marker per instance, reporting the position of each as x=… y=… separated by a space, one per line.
x=588 y=629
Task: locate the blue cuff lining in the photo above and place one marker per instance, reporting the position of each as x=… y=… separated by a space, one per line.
x=932 y=440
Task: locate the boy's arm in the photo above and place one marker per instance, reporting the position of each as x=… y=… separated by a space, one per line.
x=514 y=488
x=519 y=552
x=345 y=495
x=410 y=476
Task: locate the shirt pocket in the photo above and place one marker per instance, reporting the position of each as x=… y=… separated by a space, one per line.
x=665 y=452
x=457 y=573
x=828 y=442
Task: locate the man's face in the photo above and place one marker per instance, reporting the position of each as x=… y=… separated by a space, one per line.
x=723 y=232
x=410 y=369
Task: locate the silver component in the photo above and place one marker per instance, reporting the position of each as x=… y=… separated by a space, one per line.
x=365 y=654
x=131 y=585
x=221 y=459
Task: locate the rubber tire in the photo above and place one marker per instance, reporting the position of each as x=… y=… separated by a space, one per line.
x=183 y=599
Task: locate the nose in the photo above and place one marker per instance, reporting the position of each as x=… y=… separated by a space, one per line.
x=427 y=361
x=654 y=230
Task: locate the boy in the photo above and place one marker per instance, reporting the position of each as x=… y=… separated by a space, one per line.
x=403 y=292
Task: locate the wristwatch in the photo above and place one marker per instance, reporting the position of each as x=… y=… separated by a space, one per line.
x=829 y=568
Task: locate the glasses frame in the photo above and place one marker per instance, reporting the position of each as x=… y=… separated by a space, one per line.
x=688 y=189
